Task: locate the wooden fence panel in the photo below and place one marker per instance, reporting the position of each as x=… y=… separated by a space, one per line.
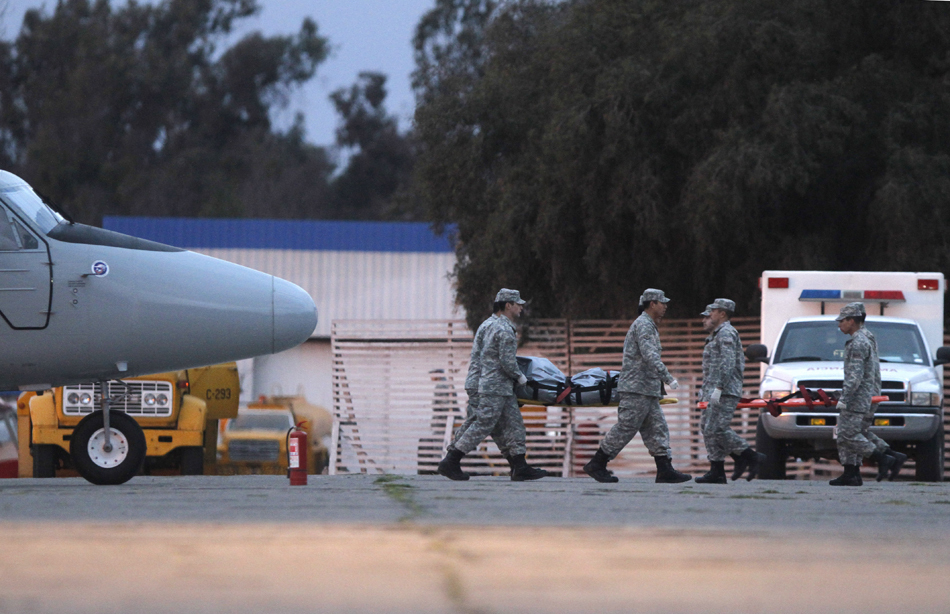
x=398 y=389
x=399 y=393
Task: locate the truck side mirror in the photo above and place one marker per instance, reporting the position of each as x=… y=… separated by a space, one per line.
x=943 y=356
x=759 y=353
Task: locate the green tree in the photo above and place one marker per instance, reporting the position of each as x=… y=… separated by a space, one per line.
x=379 y=157
x=594 y=148
x=136 y=110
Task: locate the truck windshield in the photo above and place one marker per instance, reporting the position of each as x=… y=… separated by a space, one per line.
x=804 y=341
x=26 y=202
x=259 y=422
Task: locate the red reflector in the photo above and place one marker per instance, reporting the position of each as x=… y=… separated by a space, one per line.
x=778 y=282
x=928 y=284
x=884 y=295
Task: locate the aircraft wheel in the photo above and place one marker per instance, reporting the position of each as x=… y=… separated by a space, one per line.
x=44 y=461
x=774 y=466
x=929 y=459
x=192 y=460
x=106 y=467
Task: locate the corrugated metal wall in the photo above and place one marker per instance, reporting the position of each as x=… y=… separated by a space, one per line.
x=353 y=270
x=360 y=285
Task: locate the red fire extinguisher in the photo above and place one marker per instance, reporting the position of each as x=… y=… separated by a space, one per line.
x=297 y=455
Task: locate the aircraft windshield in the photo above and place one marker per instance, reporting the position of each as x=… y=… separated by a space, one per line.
x=257 y=422
x=806 y=341
x=30 y=205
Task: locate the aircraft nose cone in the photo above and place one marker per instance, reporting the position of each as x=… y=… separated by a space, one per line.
x=295 y=315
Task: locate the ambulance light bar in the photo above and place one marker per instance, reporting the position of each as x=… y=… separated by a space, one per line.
x=846 y=296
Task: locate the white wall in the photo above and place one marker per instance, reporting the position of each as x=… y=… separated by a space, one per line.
x=305 y=369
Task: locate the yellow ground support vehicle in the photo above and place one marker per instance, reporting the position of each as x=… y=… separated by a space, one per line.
x=178 y=411
x=256 y=441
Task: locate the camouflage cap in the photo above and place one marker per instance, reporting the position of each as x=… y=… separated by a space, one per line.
x=509 y=296
x=652 y=294
x=720 y=303
x=851 y=310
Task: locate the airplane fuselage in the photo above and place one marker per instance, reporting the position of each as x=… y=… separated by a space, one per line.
x=80 y=304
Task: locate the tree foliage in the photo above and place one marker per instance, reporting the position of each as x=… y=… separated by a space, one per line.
x=150 y=109
x=380 y=158
x=589 y=149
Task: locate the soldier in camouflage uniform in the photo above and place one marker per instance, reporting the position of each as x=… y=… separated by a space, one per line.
x=497 y=410
x=862 y=380
x=723 y=365
x=640 y=387
x=471 y=384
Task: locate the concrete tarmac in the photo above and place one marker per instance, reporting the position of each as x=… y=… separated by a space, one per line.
x=382 y=543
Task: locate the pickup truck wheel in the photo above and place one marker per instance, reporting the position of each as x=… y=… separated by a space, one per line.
x=929 y=459
x=44 y=461
x=774 y=466
x=192 y=460
x=107 y=467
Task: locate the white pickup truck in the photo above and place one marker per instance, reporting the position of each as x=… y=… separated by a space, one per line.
x=905 y=314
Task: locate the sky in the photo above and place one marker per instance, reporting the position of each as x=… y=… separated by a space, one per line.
x=365 y=35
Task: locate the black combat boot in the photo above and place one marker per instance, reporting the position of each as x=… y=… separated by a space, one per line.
x=597 y=468
x=521 y=471
x=850 y=477
x=665 y=474
x=884 y=464
x=899 y=460
x=748 y=460
x=740 y=466
x=451 y=466
x=715 y=475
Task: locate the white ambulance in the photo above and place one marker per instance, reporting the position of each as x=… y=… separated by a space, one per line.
x=905 y=314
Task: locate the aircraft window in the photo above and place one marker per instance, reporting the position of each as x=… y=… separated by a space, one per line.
x=27 y=240
x=8 y=242
x=29 y=204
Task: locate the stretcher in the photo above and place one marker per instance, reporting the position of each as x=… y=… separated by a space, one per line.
x=801 y=399
x=663 y=401
x=547 y=386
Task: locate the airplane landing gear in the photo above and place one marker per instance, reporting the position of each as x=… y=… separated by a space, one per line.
x=108 y=457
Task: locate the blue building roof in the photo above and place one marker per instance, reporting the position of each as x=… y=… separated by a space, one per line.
x=324 y=235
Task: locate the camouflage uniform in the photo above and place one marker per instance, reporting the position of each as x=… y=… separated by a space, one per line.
x=497 y=410
x=862 y=380
x=471 y=387
x=639 y=386
x=723 y=364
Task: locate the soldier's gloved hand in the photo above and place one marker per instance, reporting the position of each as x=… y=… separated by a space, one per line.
x=522 y=380
x=841 y=407
x=674 y=385
x=716 y=395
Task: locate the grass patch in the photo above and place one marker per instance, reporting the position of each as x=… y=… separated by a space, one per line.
x=897 y=502
x=943 y=502
x=400 y=493
x=770 y=492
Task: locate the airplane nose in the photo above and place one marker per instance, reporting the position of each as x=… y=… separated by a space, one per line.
x=295 y=315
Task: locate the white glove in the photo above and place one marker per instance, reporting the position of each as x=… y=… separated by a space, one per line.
x=674 y=385
x=717 y=393
x=841 y=407
x=522 y=380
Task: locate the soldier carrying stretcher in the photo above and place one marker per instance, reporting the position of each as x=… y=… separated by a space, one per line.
x=640 y=386
x=723 y=366
x=497 y=412
x=862 y=381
